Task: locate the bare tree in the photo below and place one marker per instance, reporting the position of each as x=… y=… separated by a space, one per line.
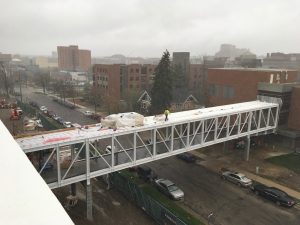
x=4 y=79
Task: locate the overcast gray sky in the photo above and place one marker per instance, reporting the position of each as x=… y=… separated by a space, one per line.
x=148 y=27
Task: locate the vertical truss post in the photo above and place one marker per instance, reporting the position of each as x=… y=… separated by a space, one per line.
x=113 y=151
x=277 y=117
x=228 y=125
x=167 y=133
x=180 y=130
x=268 y=119
x=188 y=134
x=194 y=127
x=87 y=156
x=172 y=138
x=216 y=128
x=154 y=142
x=58 y=165
x=202 y=131
x=249 y=121
x=134 y=147
x=259 y=119
x=239 y=122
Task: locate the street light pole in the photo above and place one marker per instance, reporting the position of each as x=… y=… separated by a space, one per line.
x=209 y=217
x=20 y=86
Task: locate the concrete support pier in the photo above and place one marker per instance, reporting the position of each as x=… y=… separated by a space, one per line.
x=247 y=148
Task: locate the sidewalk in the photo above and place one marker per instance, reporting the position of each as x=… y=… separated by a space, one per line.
x=212 y=165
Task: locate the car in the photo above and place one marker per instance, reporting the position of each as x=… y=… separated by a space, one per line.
x=60 y=120
x=19 y=111
x=169 y=188
x=188 y=157
x=42 y=108
x=51 y=114
x=56 y=117
x=67 y=124
x=146 y=173
x=76 y=125
x=88 y=113
x=235 y=177
x=274 y=194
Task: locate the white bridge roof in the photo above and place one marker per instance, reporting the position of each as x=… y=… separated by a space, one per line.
x=60 y=137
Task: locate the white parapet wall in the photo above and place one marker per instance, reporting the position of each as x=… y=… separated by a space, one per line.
x=25 y=197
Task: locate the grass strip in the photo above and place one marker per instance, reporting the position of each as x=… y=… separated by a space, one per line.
x=290 y=161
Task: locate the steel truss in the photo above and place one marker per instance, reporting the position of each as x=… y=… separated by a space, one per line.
x=145 y=144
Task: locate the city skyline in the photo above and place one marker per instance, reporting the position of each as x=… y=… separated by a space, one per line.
x=147 y=28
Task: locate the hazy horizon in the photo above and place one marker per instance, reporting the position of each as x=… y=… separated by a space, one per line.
x=137 y=28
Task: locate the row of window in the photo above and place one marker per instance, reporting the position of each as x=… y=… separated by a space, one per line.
x=137 y=70
x=103 y=78
x=221 y=91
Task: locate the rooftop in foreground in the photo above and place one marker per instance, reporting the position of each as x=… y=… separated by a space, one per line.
x=25 y=197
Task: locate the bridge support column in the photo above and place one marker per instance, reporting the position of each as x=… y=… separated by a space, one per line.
x=89 y=201
x=73 y=189
x=247 y=148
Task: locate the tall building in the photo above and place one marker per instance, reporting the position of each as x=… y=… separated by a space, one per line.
x=70 y=58
x=230 y=51
x=181 y=62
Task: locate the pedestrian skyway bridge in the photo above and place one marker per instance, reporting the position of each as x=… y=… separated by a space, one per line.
x=83 y=153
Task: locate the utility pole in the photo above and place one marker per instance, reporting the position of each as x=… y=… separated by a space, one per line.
x=20 y=80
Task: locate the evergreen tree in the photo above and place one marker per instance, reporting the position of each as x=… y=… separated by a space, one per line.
x=161 y=93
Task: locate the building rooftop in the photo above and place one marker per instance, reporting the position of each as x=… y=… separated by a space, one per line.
x=253 y=69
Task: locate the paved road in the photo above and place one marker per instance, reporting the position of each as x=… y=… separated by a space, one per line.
x=205 y=192
x=107 y=204
x=64 y=112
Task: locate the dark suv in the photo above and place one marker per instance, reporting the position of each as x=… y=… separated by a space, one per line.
x=146 y=173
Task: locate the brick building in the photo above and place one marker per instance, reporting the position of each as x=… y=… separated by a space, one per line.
x=70 y=58
x=118 y=78
x=294 y=117
x=233 y=85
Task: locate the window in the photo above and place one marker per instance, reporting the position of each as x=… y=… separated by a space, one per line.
x=131 y=78
x=130 y=86
x=131 y=70
x=137 y=78
x=137 y=70
x=228 y=92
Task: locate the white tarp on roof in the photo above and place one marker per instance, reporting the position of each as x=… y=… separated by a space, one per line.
x=129 y=119
x=25 y=197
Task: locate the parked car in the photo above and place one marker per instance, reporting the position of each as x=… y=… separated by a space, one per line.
x=88 y=113
x=235 y=177
x=60 y=120
x=51 y=114
x=188 y=157
x=76 y=125
x=44 y=109
x=170 y=189
x=146 y=173
x=67 y=124
x=56 y=117
x=276 y=195
x=19 y=111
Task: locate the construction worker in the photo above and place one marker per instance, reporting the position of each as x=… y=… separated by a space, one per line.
x=167 y=112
